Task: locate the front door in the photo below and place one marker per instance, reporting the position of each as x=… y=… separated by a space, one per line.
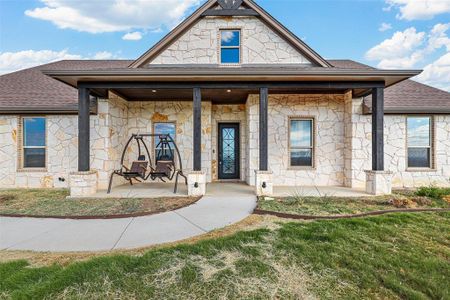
x=229 y=155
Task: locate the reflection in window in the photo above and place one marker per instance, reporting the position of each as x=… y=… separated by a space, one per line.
x=301 y=142
x=164 y=128
x=34 y=143
x=419 y=142
x=230 y=41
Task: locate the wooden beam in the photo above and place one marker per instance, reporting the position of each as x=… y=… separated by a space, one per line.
x=263 y=129
x=197 y=129
x=230 y=12
x=234 y=85
x=378 y=129
x=83 y=130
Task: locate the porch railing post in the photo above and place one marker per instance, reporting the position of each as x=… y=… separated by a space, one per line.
x=83 y=130
x=197 y=129
x=378 y=129
x=263 y=129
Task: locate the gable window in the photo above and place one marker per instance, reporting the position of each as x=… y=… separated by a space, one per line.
x=34 y=142
x=301 y=142
x=230 y=46
x=164 y=128
x=419 y=138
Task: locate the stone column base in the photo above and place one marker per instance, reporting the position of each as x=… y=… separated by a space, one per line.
x=378 y=182
x=82 y=184
x=264 y=183
x=196 y=183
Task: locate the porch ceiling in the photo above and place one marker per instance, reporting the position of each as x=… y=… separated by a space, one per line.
x=216 y=96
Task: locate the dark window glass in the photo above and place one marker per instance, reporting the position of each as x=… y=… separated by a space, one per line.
x=419 y=157
x=230 y=41
x=34 y=158
x=301 y=158
x=164 y=128
x=34 y=142
x=301 y=142
x=419 y=142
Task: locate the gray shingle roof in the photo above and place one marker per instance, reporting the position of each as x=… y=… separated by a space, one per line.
x=31 y=90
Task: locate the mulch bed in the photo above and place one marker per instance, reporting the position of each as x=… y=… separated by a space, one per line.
x=258 y=211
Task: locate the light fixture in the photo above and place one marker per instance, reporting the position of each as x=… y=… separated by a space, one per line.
x=153 y=91
x=228 y=91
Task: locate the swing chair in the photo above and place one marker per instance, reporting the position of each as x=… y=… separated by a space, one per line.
x=164 y=167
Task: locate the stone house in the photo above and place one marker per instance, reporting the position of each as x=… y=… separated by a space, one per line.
x=244 y=98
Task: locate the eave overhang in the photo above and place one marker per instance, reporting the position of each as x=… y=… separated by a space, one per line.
x=266 y=76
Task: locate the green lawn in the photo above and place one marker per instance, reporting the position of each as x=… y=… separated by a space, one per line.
x=326 y=206
x=53 y=202
x=403 y=256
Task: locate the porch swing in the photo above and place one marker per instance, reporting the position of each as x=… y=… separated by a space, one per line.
x=166 y=166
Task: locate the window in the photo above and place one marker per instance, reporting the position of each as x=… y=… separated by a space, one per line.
x=419 y=142
x=164 y=128
x=230 y=43
x=301 y=142
x=33 y=143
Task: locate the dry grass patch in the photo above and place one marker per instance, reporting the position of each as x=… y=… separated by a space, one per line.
x=54 y=202
x=329 y=205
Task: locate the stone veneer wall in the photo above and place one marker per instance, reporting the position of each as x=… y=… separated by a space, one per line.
x=62 y=151
x=142 y=116
x=200 y=44
x=231 y=114
x=328 y=112
x=395 y=150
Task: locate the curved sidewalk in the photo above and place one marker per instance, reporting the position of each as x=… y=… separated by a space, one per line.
x=224 y=205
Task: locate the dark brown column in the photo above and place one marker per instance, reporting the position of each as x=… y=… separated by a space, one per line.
x=197 y=129
x=263 y=129
x=378 y=129
x=83 y=130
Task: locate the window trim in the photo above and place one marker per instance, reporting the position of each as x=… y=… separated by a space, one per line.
x=154 y=138
x=312 y=147
x=220 y=47
x=432 y=131
x=21 y=147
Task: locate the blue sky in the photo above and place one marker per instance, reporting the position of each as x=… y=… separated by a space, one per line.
x=414 y=35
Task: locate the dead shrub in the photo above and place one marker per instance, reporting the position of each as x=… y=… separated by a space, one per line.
x=402 y=202
x=7 y=197
x=422 y=201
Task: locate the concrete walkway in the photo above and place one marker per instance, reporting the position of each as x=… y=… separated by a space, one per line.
x=225 y=204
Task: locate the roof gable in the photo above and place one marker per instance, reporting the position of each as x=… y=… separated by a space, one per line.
x=231 y=8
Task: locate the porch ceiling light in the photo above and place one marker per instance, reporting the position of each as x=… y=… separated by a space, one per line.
x=153 y=91
x=228 y=91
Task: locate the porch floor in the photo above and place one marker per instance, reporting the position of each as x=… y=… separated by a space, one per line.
x=160 y=189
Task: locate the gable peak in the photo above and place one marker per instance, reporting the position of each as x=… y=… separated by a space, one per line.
x=230 y=4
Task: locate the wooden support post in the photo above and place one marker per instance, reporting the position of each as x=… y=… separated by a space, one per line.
x=83 y=130
x=378 y=129
x=263 y=129
x=197 y=129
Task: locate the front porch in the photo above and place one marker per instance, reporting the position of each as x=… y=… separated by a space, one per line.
x=262 y=161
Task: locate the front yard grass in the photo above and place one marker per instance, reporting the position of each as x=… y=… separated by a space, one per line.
x=328 y=205
x=53 y=202
x=397 y=256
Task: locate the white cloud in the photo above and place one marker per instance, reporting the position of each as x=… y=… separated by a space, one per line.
x=419 y=9
x=14 y=61
x=132 y=36
x=114 y=15
x=412 y=49
x=398 y=51
x=437 y=73
x=384 y=27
